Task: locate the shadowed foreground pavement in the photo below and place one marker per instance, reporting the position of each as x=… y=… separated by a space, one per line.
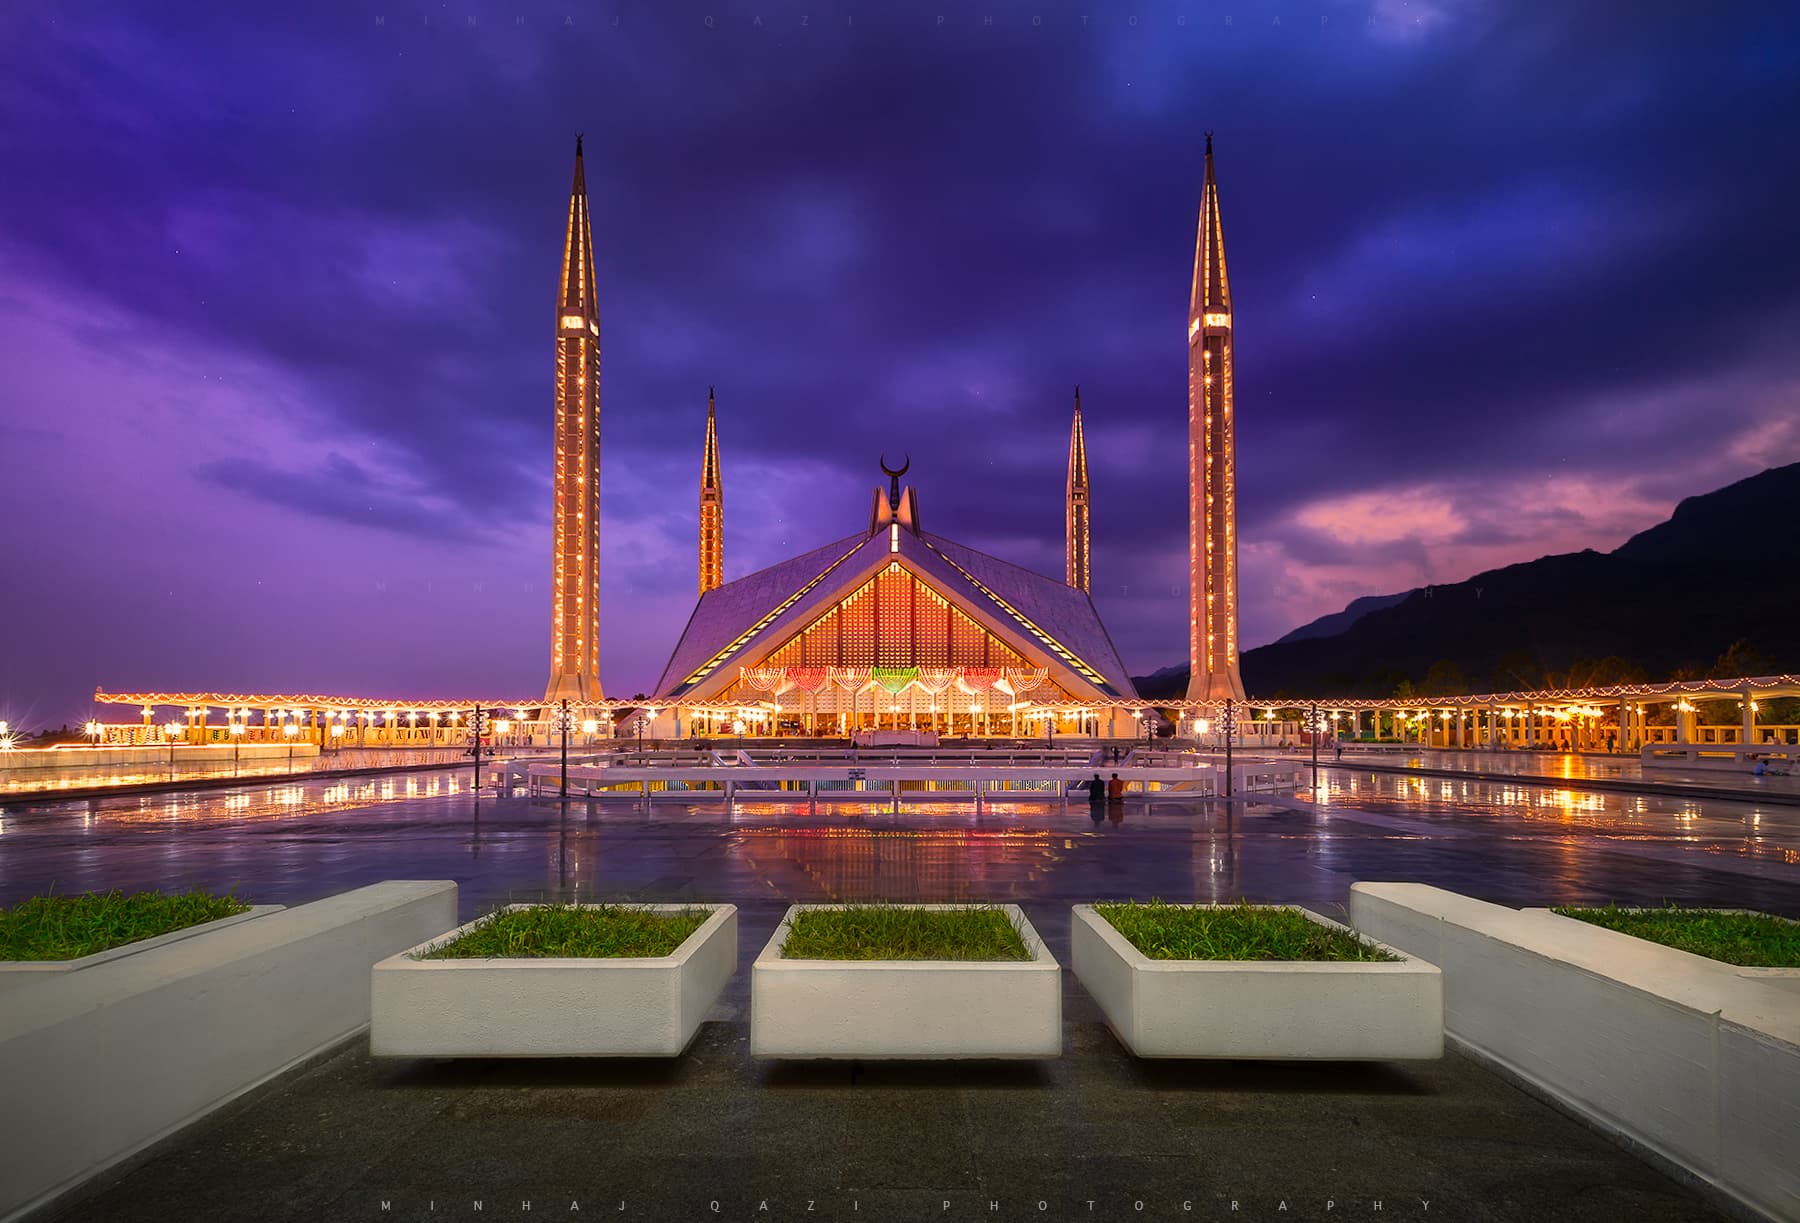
x=890 y=1141
x=897 y=1141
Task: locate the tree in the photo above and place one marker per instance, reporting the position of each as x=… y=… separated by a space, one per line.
x=1740 y=658
x=1444 y=678
x=1518 y=671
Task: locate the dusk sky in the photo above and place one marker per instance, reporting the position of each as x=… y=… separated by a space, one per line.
x=277 y=305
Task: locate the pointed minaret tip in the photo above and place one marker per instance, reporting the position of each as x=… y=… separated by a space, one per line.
x=578 y=144
x=1209 y=144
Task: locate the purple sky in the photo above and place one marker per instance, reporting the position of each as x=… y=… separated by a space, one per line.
x=277 y=305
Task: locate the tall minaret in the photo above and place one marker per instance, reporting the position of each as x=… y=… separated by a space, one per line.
x=1212 y=466
x=1076 y=516
x=575 y=589
x=712 y=507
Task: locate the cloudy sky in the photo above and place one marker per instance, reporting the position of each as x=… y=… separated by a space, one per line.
x=277 y=304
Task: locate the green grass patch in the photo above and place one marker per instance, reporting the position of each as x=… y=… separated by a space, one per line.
x=566 y=931
x=1749 y=940
x=69 y=927
x=895 y=932
x=1232 y=932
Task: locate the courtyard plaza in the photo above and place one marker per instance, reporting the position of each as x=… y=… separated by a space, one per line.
x=874 y=1141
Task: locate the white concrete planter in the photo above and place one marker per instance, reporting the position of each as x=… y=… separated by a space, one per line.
x=113 y=1058
x=1284 y=1010
x=906 y=1008
x=14 y=973
x=1696 y=1060
x=647 y=1006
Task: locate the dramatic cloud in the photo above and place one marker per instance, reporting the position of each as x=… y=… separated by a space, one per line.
x=276 y=305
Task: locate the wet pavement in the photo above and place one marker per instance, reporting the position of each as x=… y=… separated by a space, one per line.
x=881 y=1142
x=1578 y=766
x=297 y=841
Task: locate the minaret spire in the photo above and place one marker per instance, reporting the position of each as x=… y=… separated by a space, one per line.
x=575 y=584
x=712 y=507
x=1212 y=465
x=1075 y=516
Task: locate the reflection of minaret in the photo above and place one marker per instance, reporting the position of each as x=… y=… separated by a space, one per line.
x=712 y=508
x=1076 y=517
x=1212 y=466
x=575 y=611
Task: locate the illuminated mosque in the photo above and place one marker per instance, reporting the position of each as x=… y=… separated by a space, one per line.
x=894 y=626
x=891 y=627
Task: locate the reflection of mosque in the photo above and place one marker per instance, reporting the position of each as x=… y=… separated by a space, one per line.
x=850 y=864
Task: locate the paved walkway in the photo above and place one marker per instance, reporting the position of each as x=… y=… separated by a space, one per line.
x=879 y=1142
x=1624 y=773
x=896 y=1142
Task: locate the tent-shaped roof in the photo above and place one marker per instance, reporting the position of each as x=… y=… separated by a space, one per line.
x=736 y=624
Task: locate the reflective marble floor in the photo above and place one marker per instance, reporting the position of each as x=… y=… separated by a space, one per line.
x=1577 y=766
x=296 y=841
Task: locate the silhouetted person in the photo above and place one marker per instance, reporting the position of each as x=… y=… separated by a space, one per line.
x=1096 y=792
x=1115 y=789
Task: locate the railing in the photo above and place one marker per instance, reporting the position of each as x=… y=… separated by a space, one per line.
x=938 y=779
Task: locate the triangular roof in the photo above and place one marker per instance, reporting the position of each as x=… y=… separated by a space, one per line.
x=750 y=618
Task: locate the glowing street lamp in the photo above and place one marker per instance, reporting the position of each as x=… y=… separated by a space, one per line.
x=1228 y=725
x=93 y=730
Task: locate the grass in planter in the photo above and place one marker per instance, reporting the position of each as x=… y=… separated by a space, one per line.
x=566 y=931
x=1233 y=932
x=69 y=927
x=1749 y=940
x=894 y=932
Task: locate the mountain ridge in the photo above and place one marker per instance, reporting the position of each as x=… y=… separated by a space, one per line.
x=1670 y=601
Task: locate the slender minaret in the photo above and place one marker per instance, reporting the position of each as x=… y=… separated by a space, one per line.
x=1076 y=516
x=712 y=507
x=1212 y=466
x=575 y=589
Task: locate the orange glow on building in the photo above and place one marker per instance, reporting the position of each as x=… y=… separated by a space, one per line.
x=1212 y=466
x=1079 y=567
x=712 y=507
x=575 y=583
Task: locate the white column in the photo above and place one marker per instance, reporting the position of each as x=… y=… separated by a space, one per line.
x=1749 y=736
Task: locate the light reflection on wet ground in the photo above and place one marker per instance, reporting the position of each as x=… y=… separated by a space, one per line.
x=297 y=841
x=1573 y=766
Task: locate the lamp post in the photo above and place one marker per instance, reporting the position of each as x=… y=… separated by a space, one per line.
x=1312 y=732
x=478 y=720
x=1228 y=728
x=565 y=722
x=236 y=729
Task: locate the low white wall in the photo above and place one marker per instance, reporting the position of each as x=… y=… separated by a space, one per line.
x=1696 y=1060
x=14 y=973
x=103 y=1062
x=190 y=755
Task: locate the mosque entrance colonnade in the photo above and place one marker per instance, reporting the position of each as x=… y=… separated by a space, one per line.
x=1013 y=702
